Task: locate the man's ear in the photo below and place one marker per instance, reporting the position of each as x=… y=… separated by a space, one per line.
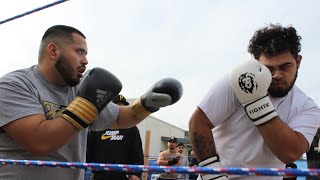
x=299 y=58
x=53 y=51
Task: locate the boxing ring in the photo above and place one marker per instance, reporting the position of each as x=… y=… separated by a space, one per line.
x=152 y=168
x=165 y=169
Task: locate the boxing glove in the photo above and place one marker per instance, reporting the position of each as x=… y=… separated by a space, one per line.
x=174 y=160
x=163 y=93
x=213 y=162
x=96 y=89
x=250 y=82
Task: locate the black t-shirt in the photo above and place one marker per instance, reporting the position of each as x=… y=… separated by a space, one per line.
x=312 y=154
x=121 y=146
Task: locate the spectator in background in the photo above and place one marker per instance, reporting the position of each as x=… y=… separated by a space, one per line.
x=115 y=146
x=169 y=157
x=184 y=161
x=193 y=162
x=313 y=155
x=290 y=166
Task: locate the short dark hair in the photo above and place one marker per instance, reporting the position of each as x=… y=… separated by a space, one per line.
x=61 y=31
x=180 y=144
x=273 y=40
x=172 y=139
x=58 y=34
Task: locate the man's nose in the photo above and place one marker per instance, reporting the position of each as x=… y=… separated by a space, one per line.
x=277 y=74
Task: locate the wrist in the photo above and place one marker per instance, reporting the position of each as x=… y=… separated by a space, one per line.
x=80 y=113
x=213 y=162
x=260 y=111
x=139 y=110
x=171 y=162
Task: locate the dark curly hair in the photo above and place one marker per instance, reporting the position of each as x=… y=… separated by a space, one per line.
x=273 y=40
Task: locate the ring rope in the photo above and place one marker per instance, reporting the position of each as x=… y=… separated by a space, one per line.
x=167 y=169
x=32 y=11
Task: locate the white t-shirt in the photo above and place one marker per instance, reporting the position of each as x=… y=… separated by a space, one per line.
x=184 y=162
x=237 y=139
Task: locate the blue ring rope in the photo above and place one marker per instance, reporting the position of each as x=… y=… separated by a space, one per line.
x=32 y=11
x=167 y=169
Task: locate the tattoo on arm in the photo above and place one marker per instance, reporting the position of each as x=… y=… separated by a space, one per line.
x=203 y=145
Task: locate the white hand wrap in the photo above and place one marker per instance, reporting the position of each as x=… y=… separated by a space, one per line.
x=213 y=162
x=260 y=111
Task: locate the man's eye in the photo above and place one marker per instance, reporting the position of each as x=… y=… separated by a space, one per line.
x=285 y=67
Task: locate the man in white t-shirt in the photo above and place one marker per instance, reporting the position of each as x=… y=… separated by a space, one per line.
x=184 y=161
x=255 y=116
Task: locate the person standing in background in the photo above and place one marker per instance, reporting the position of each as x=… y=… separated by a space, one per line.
x=184 y=161
x=169 y=157
x=193 y=162
x=115 y=146
x=290 y=166
x=313 y=156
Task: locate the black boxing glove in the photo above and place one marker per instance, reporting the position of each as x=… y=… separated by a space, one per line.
x=173 y=161
x=163 y=93
x=97 y=88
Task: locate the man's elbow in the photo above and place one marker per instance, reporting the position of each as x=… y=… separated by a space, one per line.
x=290 y=157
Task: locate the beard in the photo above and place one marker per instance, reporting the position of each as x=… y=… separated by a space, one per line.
x=66 y=72
x=279 y=92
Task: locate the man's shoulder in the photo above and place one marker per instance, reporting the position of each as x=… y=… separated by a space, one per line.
x=164 y=152
x=19 y=79
x=19 y=74
x=300 y=98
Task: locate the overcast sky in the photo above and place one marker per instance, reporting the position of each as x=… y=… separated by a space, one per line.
x=141 y=42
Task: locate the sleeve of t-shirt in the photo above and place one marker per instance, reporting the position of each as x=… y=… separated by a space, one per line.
x=17 y=99
x=220 y=102
x=307 y=120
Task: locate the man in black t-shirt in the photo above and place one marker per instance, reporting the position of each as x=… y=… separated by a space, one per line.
x=115 y=146
x=313 y=155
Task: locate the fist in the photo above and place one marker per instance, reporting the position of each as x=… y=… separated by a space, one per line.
x=250 y=82
x=174 y=160
x=163 y=93
x=96 y=90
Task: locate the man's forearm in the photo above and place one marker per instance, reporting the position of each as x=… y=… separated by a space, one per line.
x=284 y=142
x=201 y=135
x=203 y=145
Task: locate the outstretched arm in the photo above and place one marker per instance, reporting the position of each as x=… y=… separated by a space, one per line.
x=163 y=93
